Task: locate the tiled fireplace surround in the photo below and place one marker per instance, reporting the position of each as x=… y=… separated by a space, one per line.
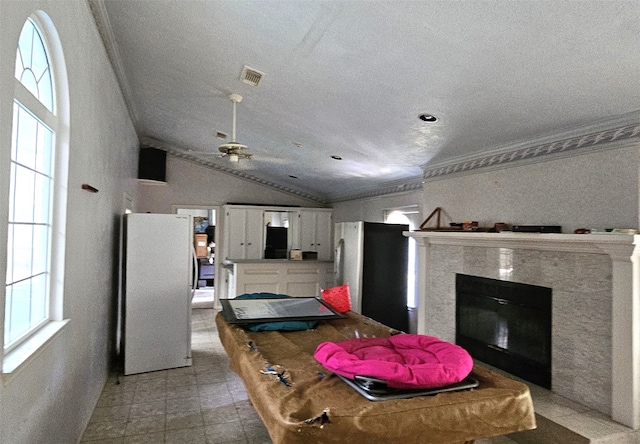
x=595 y=304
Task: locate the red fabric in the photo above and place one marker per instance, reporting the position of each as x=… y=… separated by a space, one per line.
x=338 y=297
x=404 y=360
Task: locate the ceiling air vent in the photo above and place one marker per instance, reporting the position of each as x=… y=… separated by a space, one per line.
x=251 y=76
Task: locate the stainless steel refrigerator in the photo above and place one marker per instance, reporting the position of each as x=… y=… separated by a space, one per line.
x=158 y=288
x=373 y=259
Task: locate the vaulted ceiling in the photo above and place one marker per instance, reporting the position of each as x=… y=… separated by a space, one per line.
x=351 y=78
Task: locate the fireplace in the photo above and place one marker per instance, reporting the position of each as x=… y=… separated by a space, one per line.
x=596 y=299
x=507 y=325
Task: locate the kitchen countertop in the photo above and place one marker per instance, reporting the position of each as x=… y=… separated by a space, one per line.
x=270 y=261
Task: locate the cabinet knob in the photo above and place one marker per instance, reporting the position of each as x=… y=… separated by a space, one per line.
x=248 y=243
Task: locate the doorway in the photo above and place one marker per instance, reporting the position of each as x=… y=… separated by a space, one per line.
x=408 y=215
x=204 y=242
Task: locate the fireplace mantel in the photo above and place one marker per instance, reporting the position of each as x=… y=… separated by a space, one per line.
x=578 y=243
x=624 y=252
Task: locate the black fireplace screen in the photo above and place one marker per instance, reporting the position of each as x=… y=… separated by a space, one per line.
x=507 y=325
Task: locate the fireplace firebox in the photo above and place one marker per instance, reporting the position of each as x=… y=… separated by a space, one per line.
x=507 y=325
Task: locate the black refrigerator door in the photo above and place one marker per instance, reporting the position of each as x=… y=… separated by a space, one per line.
x=384 y=274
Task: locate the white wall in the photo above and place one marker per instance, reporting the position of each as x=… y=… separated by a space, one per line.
x=192 y=184
x=51 y=400
x=596 y=190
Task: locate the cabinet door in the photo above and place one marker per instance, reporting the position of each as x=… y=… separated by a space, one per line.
x=315 y=232
x=235 y=227
x=254 y=234
x=323 y=236
x=244 y=233
x=307 y=228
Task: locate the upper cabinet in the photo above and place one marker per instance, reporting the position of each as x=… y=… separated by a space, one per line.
x=314 y=232
x=255 y=232
x=244 y=233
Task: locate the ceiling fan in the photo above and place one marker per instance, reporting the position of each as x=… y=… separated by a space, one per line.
x=234 y=150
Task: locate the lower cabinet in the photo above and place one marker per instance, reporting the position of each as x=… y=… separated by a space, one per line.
x=294 y=278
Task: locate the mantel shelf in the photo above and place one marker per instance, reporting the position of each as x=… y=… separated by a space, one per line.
x=577 y=243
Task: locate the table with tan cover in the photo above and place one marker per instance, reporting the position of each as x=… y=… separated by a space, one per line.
x=312 y=405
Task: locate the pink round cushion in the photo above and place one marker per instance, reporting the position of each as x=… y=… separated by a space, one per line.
x=405 y=361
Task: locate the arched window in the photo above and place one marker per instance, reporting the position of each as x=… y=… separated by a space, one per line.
x=31 y=301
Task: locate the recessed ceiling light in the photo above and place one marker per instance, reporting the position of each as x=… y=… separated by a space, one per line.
x=427 y=118
x=336 y=157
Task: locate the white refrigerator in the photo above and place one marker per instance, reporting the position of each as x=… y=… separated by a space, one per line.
x=158 y=288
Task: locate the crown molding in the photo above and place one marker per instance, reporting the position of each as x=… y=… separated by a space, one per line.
x=105 y=30
x=384 y=189
x=578 y=141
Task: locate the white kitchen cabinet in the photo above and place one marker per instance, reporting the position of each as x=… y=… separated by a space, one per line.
x=315 y=232
x=244 y=229
x=293 y=278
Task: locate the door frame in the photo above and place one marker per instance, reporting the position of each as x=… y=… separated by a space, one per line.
x=217 y=237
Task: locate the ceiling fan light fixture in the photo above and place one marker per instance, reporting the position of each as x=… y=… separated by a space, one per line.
x=234 y=150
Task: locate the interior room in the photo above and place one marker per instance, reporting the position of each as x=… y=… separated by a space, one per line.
x=519 y=122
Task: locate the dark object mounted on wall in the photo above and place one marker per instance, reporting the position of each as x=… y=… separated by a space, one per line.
x=152 y=164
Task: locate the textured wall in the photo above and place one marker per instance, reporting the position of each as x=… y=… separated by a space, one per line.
x=596 y=190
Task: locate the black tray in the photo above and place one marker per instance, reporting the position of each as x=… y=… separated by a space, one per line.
x=376 y=390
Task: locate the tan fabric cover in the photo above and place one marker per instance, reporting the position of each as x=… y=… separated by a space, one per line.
x=497 y=407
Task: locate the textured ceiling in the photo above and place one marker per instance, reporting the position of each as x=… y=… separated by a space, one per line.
x=350 y=78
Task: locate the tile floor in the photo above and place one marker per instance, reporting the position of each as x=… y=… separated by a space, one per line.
x=202 y=404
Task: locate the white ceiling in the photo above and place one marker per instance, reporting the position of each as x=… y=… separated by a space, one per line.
x=349 y=78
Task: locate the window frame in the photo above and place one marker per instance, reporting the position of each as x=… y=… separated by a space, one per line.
x=16 y=355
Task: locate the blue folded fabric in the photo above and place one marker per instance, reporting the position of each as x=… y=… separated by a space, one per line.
x=276 y=326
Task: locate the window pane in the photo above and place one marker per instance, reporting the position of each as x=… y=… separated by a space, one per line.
x=22 y=251
x=27 y=138
x=19 y=66
x=9 y=255
x=39 y=303
x=25 y=45
x=44 y=149
x=41 y=201
x=19 y=309
x=39 y=62
x=45 y=87
x=34 y=72
x=14 y=133
x=24 y=194
x=40 y=249
x=12 y=193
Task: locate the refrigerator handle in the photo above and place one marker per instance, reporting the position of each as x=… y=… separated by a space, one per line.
x=194 y=280
x=338 y=267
